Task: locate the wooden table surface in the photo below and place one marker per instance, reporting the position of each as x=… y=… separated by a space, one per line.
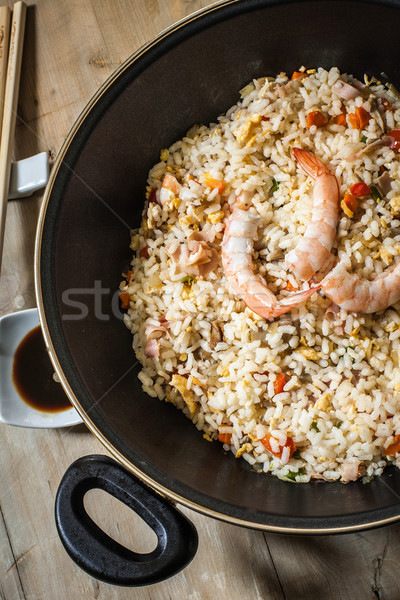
x=71 y=47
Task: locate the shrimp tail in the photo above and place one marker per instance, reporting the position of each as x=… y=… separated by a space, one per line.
x=299 y=297
x=310 y=163
x=286 y=304
x=271 y=310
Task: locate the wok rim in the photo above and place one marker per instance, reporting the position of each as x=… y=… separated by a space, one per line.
x=165 y=492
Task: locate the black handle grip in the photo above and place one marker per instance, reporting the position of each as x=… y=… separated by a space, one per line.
x=98 y=554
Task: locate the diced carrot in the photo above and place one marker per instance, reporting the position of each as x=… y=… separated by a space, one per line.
x=395 y=134
x=354 y=121
x=124 y=297
x=279 y=383
x=349 y=205
x=213 y=183
x=225 y=438
x=360 y=189
x=359 y=119
x=266 y=441
x=394 y=447
x=317 y=118
x=290 y=288
x=128 y=276
x=351 y=202
x=297 y=75
x=340 y=119
x=144 y=252
x=363 y=116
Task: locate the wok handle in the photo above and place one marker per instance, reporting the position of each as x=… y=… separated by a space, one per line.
x=98 y=554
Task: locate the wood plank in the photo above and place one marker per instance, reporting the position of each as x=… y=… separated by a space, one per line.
x=10 y=581
x=33 y=536
x=71 y=47
x=359 y=565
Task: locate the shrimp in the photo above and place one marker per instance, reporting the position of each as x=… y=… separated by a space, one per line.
x=237 y=249
x=169 y=189
x=313 y=252
x=357 y=295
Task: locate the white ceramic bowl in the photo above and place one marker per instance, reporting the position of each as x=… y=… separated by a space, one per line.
x=13 y=409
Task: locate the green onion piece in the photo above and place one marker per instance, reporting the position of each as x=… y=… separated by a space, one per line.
x=188 y=279
x=275 y=186
x=294 y=474
x=376 y=193
x=363 y=139
x=314 y=426
x=297 y=453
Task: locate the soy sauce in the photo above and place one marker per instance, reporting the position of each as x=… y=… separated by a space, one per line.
x=32 y=375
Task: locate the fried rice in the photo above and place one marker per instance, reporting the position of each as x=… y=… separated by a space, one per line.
x=314 y=393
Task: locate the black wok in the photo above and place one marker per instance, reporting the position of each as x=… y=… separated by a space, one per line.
x=189 y=74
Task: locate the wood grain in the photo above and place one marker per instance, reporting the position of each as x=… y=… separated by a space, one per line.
x=14 y=62
x=71 y=47
x=5 y=15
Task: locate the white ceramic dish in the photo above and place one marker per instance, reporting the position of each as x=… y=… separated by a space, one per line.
x=13 y=410
x=28 y=175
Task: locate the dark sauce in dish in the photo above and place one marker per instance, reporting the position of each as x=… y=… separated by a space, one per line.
x=32 y=375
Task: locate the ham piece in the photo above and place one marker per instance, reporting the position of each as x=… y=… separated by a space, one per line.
x=352 y=470
x=202 y=236
x=155 y=328
x=345 y=90
x=152 y=348
x=195 y=257
x=156 y=325
x=384 y=182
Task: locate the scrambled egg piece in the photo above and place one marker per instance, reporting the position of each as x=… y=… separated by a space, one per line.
x=186 y=221
x=395 y=206
x=164 y=154
x=243 y=133
x=308 y=353
x=187 y=292
x=245 y=448
x=251 y=141
x=386 y=256
x=179 y=382
x=216 y=217
x=324 y=402
x=173 y=203
x=197 y=382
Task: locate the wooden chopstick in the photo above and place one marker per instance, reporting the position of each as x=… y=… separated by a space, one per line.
x=10 y=109
x=5 y=14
